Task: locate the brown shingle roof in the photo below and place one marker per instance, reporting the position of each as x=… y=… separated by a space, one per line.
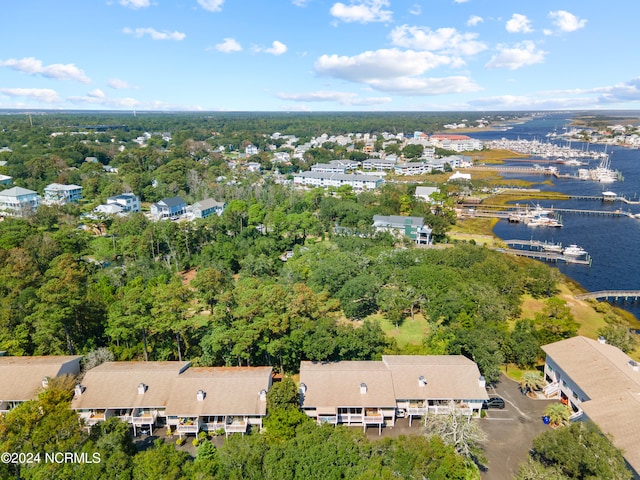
x=228 y=391
x=115 y=385
x=21 y=377
x=338 y=384
x=447 y=377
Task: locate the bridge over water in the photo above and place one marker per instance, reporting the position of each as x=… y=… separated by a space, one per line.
x=611 y=295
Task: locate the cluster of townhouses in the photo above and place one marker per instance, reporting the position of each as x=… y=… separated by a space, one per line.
x=233 y=399
x=596 y=380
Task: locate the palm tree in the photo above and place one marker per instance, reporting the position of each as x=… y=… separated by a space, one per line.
x=558 y=414
x=531 y=382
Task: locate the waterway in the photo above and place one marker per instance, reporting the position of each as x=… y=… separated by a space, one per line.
x=612 y=242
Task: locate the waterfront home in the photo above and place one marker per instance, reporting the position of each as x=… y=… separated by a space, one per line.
x=18 y=202
x=58 y=194
x=171 y=207
x=599 y=382
x=218 y=399
x=425 y=193
x=22 y=378
x=399 y=226
x=135 y=392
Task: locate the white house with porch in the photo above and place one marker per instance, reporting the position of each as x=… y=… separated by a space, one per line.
x=19 y=202
x=59 y=194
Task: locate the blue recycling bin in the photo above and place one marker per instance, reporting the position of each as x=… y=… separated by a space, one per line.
x=545 y=420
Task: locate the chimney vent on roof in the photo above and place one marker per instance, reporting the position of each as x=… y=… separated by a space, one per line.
x=141 y=388
x=263 y=395
x=45 y=382
x=422 y=381
x=78 y=390
x=200 y=395
x=633 y=364
x=482 y=382
x=602 y=340
x=363 y=387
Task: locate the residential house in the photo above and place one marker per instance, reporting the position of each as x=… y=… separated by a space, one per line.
x=379 y=165
x=129 y=202
x=171 y=207
x=229 y=399
x=135 y=392
x=412 y=168
x=207 y=207
x=22 y=378
x=328 y=168
x=18 y=202
x=375 y=393
x=399 y=226
x=58 y=194
x=465 y=177
x=425 y=193
x=251 y=150
x=601 y=383
x=5 y=180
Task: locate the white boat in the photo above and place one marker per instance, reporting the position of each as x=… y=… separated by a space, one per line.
x=552 y=247
x=574 y=251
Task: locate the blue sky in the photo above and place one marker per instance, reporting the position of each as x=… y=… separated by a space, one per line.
x=317 y=55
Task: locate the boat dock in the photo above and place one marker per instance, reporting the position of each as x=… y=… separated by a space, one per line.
x=546 y=256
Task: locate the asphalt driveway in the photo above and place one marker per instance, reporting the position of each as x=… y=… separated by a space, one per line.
x=511 y=431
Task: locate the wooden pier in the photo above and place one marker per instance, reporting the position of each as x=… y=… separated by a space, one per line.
x=611 y=295
x=546 y=256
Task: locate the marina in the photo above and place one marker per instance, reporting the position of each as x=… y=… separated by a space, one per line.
x=549 y=252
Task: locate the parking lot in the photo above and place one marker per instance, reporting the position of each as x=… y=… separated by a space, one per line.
x=511 y=431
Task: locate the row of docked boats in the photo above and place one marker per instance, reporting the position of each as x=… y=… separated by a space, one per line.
x=535 y=217
x=573 y=250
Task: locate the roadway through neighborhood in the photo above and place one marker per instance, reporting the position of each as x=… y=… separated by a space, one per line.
x=511 y=431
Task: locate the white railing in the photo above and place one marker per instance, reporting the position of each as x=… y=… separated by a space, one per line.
x=236 y=427
x=350 y=418
x=144 y=419
x=575 y=415
x=551 y=389
x=213 y=426
x=373 y=419
x=417 y=410
x=194 y=428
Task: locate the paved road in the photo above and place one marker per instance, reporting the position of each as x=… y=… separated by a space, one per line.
x=511 y=431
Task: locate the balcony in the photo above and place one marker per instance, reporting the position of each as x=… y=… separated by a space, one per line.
x=236 y=425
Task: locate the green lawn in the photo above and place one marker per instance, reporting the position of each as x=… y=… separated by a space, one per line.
x=410 y=332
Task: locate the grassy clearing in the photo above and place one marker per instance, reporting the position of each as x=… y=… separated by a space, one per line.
x=410 y=332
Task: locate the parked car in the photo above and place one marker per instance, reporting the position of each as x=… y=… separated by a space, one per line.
x=493 y=402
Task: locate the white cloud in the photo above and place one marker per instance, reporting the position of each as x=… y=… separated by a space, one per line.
x=460 y=1
x=517 y=56
x=565 y=21
x=97 y=97
x=59 y=71
x=135 y=4
x=364 y=11
x=155 y=34
x=474 y=20
x=344 y=98
x=211 y=5
x=518 y=24
x=277 y=48
x=386 y=63
x=118 y=84
x=46 y=95
x=445 y=40
x=300 y=3
x=415 y=9
x=228 y=45
x=394 y=71
x=97 y=93
x=425 y=86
